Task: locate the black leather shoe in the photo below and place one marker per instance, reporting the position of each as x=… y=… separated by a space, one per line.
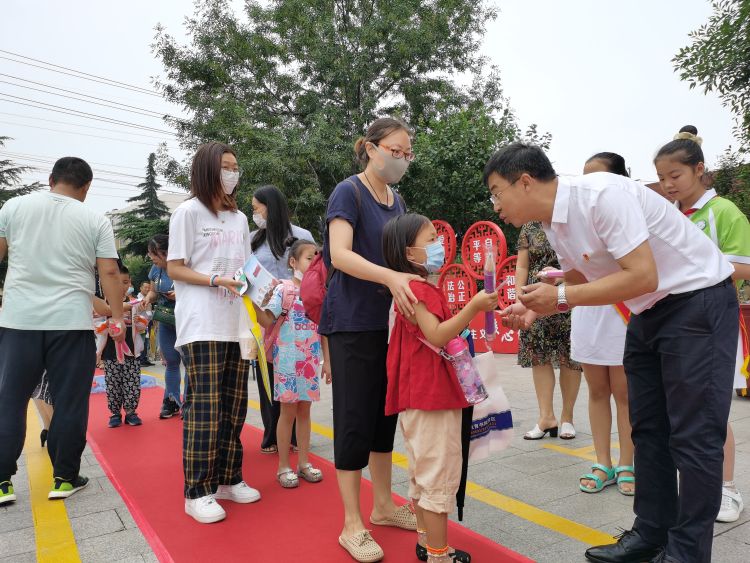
x=630 y=548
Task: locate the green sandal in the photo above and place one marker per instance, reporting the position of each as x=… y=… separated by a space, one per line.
x=609 y=471
x=625 y=479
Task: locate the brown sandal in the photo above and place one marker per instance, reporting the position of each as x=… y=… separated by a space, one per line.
x=269 y=450
x=362 y=547
x=404 y=517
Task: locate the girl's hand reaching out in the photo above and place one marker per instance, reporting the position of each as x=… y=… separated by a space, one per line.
x=484 y=301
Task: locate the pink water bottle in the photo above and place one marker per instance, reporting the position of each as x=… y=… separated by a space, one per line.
x=466 y=371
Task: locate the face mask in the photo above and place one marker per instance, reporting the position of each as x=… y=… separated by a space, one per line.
x=298 y=275
x=259 y=220
x=392 y=169
x=130 y=291
x=435 y=256
x=229 y=180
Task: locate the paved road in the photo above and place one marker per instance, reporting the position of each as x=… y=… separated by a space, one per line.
x=527 y=498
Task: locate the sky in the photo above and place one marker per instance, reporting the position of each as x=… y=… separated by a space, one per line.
x=595 y=74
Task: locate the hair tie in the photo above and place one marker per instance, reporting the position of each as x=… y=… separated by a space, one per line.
x=689 y=137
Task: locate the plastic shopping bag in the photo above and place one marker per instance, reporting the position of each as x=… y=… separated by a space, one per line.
x=492 y=423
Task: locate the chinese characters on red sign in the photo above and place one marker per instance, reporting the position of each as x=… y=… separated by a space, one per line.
x=475 y=241
x=447 y=236
x=458 y=286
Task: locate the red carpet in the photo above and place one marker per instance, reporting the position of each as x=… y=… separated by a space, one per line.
x=145 y=466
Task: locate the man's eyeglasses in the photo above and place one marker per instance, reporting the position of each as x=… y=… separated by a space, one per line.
x=496 y=195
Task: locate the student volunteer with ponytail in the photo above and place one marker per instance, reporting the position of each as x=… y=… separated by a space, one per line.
x=680 y=168
x=209 y=240
x=355 y=320
x=270 y=244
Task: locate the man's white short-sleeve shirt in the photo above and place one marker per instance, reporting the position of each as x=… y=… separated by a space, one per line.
x=599 y=218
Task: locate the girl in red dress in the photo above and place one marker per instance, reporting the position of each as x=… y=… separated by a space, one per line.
x=422 y=385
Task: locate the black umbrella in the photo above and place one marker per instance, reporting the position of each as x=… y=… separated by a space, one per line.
x=466 y=416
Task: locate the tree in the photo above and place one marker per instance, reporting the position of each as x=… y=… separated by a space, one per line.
x=718 y=60
x=138 y=226
x=10 y=187
x=732 y=179
x=10 y=178
x=293 y=86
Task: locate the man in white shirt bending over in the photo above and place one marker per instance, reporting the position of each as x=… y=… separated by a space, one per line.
x=619 y=241
x=53 y=242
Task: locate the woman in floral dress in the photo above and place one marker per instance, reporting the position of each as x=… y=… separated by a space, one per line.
x=546 y=345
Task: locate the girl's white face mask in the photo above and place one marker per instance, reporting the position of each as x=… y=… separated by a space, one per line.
x=229 y=180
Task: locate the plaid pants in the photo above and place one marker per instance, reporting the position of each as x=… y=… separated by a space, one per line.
x=214 y=413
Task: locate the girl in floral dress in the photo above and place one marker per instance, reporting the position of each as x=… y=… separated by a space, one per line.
x=297 y=357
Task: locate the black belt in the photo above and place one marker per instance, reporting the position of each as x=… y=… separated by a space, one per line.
x=688 y=294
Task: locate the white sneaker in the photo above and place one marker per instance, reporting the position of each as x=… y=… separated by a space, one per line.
x=241 y=493
x=731 y=506
x=205 y=509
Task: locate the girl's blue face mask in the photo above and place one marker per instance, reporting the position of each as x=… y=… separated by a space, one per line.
x=435 y=256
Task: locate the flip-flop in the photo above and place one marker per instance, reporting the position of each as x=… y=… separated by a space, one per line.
x=269 y=450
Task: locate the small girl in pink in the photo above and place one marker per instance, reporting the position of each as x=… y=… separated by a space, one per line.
x=297 y=355
x=422 y=385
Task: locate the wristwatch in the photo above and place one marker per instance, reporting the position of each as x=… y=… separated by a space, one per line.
x=562 y=302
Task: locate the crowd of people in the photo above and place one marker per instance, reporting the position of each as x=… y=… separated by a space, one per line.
x=647 y=309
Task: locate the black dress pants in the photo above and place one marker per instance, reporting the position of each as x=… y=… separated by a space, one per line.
x=70 y=359
x=680 y=361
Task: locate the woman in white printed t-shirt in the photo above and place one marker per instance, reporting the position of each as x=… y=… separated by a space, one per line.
x=209 y=240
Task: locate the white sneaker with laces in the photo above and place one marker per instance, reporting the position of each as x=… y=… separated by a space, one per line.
x=731 y=506
x=205 y=509
x=241 y=493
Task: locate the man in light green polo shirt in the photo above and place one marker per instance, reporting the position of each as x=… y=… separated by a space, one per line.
x=53 y=243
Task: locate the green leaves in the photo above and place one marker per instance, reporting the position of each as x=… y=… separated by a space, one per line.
x=293 y=83
x=718 y=60
x=150 y=218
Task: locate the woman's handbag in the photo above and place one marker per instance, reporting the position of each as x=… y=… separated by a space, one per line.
x=164 y=314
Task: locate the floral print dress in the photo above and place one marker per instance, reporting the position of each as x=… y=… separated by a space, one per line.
x=296 y=353
x=548 y=340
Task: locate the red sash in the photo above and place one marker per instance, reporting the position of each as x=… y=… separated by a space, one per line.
x=623 y=311
x=745 y=348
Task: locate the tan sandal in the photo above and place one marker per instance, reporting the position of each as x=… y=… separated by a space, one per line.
x=287 y=478
x=404 y=517
x=310 y=473
x=362 y=547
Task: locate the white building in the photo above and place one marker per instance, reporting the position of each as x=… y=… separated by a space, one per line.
x=170 y=199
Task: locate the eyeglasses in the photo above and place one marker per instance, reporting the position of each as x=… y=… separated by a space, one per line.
x=398 y=153
x=495 y=197
x=232 y=170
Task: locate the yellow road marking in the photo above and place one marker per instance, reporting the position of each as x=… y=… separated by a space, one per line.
x=586 y=452
x=520 y=509
x=55 y=541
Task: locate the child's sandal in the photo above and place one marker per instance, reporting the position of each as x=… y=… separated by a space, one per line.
x=287 y=478
x=457 y=556
x=625 y=479
x=310 y=473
